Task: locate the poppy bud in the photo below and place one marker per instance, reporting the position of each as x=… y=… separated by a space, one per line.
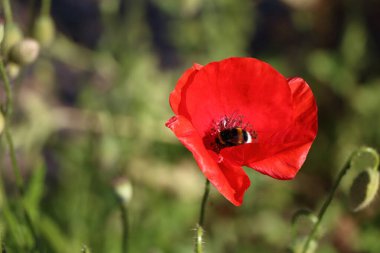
x=13 y=69
x=364 y=158
x=303 y=221
x=364 y=188
x=124 y=190
x=298 y=244
x=85 y=249
x=12 y=35
x=44 y=30
x=25 y=51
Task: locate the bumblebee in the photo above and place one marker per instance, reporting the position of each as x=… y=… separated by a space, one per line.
x=233 y=136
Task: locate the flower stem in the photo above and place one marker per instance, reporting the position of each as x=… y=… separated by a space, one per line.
x=15 y=167
x=204 y=201
x=7 y=113
x=125 y=225
x=7 y=11
x=45 y=9
x=326 y=205
x=199 y=229
x=7 y=110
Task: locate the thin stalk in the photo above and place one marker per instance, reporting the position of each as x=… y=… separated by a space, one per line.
x=204 y=202
x=8 y=91
x=125 y=224
x=15 y=167
x=45 y=8
x=9 y=140
x=199 y=229
x=7 y=11
x=7 y=113
x=326 y=205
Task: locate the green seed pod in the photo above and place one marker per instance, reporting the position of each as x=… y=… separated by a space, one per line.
x=85 y=249
x=44 y=30
x=124 y=190
x=298 y=244
x=12 y=35
x=365 y=157
x=364 y=188
x=24 y=52
x=13 y=69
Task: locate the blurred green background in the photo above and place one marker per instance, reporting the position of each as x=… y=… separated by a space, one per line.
x=90 y=114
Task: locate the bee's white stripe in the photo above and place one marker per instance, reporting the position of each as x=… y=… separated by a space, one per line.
x=249 y=137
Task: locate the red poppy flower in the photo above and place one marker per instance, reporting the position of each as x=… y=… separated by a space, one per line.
x=242 y=112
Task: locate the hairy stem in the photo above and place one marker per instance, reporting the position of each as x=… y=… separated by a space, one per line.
x=199 y=229
x=326 y=205
x=125 y=225
x=204 y=202
x=7 y=11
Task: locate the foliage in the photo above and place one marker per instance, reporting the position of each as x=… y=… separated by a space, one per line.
x=91 y=112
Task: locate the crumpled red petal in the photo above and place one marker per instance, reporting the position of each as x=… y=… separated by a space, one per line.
x=229 y=179
x=240 y=86
x=283 y=154
x=186 y=78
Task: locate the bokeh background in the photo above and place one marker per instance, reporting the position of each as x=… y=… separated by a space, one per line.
x=90 y=114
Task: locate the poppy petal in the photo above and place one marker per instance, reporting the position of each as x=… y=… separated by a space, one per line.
x=238 y=180
x=283 y=165
x=229 y=179
x=238 y=86
x=304 y=106
x=186 y=78
x=283 y=155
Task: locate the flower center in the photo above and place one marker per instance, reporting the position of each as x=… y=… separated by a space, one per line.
x=227 y=132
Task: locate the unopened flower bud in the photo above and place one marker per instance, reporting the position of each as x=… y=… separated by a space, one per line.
x=13 y=69
x=123 y=189
x=365 y=157
x=298 y=245
x=24 y=52
x=12 y=35
x=44 y=30
x=364 y=188
x=85 y=249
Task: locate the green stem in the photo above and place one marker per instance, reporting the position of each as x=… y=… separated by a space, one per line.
x=204 y=201
x=7 y=11
x=8 y=91
x=326 y=205
x=9 y=140
x=7 y=113
x=8 y=110
x=199 y=229
x=15 y=167
x=30 y=225
x=45 y=8
x=125 y=224
x=199 y=240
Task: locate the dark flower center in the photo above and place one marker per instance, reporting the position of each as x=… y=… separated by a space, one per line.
x=227 y=132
